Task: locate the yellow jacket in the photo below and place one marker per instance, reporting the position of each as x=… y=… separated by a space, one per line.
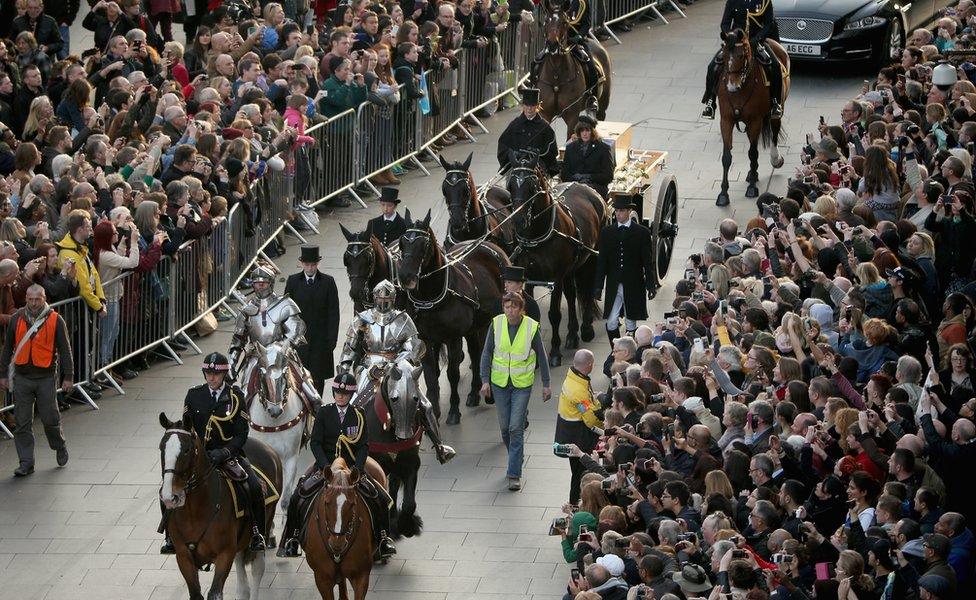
x=576 y=400
x=89 y=283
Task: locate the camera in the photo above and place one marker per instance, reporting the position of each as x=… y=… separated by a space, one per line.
x=739 y=554
x=669 y=432
x=798 y=222
x=848 y=311
x=605 y=485
x=627 y=466
x=557 y=526
x=697 y=297
x=710 y=286
x=691 y=274
x=655 y=398
x=644 y=592
x=780 y=557
x=809 y=276
x=688 y=537
x=561 y=450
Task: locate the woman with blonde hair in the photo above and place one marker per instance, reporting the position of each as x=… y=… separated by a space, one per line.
x=878 y=296
x=826 y=207
x=854 y=582
x=717 y=482
x=41 y=112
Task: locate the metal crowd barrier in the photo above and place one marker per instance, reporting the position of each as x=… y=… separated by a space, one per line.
x=333 y=160
x=615 y=11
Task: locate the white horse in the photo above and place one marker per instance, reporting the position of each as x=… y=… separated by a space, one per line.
x=278 y=416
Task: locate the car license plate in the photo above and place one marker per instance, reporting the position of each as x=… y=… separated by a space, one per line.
x=803 y=49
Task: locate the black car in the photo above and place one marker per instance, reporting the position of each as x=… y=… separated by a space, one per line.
x=846 y=30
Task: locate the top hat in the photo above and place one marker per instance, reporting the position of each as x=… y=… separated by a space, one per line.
x=513 y=273
x=390 y=194
x=310 y=254
x=622 y=202
x=530 y=96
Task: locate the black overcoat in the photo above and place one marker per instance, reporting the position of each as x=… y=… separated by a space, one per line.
x=592 y=160
x=625 y=257
x=319 y=304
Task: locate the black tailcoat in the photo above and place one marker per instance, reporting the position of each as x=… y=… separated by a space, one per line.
x=319 y=304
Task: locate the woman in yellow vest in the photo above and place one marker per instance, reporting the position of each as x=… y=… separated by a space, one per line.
x=512 y=350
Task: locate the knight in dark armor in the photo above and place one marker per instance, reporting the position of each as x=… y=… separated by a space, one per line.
x=217 y=412
x=580 y=22
x=755 y=18
x=529 y=132
x=339 y=432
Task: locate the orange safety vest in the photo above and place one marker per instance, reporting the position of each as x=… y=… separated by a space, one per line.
x=39 y=350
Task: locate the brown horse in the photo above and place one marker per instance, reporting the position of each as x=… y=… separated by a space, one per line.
x=743 y=97
x=338 y=538
x=562 y=79
x=556 y=241
x=367 y=263
x=472 y=218
x=202 y=521
x=451 y=298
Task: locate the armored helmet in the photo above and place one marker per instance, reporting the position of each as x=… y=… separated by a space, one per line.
x=261 y=274
x=384 y=296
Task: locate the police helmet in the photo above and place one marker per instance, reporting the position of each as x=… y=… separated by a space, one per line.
x=344 y=382
x=215 y=362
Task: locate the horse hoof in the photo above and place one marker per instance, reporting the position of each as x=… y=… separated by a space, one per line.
x=778 y=163
x=272 y=542
x=472 y=401
x=752 y=191
x=752 y=177
x=586 y=333
x=453 y=418
x=722 y=200
x=555 y=360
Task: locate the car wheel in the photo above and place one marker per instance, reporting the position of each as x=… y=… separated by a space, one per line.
x=894 y=42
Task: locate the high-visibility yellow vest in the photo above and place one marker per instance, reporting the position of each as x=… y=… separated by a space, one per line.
x=513 y=359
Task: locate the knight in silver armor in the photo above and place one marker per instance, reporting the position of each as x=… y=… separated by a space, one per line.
x=269 y=319
x=379 y=338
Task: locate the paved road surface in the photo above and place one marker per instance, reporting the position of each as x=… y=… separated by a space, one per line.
x=88 y=531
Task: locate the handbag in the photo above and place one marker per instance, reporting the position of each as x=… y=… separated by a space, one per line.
x=208 y=323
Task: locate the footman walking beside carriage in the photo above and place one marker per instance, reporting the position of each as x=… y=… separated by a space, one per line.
x=316 y=295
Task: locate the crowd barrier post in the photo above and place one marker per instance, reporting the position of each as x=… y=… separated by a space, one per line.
x=332 y=160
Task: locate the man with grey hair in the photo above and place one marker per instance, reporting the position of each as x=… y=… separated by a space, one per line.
x=714 y=254
x=908 y=373
x=734 y=421
x=846 y=200
x=35 y=345
x=763 y=520
x=175 y=118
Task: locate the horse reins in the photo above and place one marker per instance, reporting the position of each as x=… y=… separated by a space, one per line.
x=347 y=535
x=421 y=304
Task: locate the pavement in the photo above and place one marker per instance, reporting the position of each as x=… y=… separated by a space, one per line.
x=89 y=530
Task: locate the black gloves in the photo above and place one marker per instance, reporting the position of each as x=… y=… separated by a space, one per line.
x=218 y=455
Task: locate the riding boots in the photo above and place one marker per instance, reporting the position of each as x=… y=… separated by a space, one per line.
x=258 y=520
x=289 y=537
x=709 y=111
x=429 y=423
x=167 y=547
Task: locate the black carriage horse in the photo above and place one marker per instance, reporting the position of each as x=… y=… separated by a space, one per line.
x=473 y=217
x=556 y=236
x=367 y=263
x=452 y=298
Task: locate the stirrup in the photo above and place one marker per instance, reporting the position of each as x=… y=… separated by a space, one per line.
x=386 y=545
x=776 y=112
x=709 y=111
x=257 y=541
x=288 y=549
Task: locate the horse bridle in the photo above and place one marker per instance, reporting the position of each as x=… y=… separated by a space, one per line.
x=347 y=534
x=454 y=178
x=413 y=233
x=353 y=252
x=192 y=481
x=529 y=203
x=746 y=65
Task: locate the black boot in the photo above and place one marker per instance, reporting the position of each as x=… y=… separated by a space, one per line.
x=386 y=547
x=289 y=536
x=429 y=422
x=613 y=334
x=167 y=547
x=258 y=520
x=709 y=111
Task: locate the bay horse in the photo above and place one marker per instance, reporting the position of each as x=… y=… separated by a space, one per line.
x=472 y=217
x=367 y=263
x=279 y=416
x=743 y=97
x=556 y=241
x=452 y=297
x=202 y=521
x=561 y=81
x=338 y=535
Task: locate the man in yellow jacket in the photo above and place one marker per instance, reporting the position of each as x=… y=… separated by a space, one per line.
x=73 y=248
x=578 y=422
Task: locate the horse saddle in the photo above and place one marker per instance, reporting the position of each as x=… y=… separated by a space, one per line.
x=309 y=486
x=235 y=477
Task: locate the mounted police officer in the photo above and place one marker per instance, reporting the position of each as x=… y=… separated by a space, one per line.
x=755 y=18
x=340 y=431
x=267 y=319
x=529 y=132
x=578 y=16
x=217 y=411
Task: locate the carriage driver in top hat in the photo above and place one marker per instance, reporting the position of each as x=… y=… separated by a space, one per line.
x=389 y=226
x=530 y=132
x=217 y=411
x=340 y=431
x=755 y=18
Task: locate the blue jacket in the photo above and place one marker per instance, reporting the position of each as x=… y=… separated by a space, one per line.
x=961 y=555
x=869 y=358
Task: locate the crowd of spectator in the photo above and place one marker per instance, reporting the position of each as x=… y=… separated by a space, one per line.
x=801 y=424
x=114 y=155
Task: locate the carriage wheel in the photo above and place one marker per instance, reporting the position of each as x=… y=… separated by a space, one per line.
x=664 y=228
